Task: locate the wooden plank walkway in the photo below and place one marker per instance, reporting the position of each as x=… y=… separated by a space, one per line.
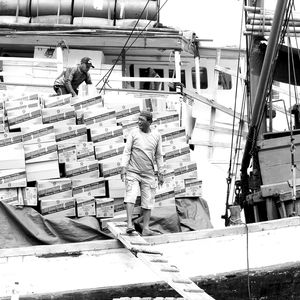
x=155 y=260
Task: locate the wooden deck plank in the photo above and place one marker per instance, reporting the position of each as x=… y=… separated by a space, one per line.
x=155 y=260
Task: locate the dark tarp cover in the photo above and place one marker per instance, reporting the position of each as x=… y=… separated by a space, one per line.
x=24 y=226
x=281 y=72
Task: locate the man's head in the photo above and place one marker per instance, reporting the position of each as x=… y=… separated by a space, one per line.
x=86 y=64
x=145 y=120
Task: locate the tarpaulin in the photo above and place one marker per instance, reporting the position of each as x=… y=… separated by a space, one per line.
x=24 y=226
x=287 y=64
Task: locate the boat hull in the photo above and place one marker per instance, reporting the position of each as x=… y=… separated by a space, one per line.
x=216 y=259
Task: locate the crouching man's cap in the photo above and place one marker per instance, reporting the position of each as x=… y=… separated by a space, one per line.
x=87 y=61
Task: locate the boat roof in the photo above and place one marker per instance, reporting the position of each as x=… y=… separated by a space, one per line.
x=23 y=37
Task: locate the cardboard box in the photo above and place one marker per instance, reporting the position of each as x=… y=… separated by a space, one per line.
x=116 y=188
x=57 y=101
x=183 y=170
x=74 y=134
x=32 y=96
x=107 y=135
x=86 y=206
x=28 y=196
x=9 y=196
x=83 y=169
x=24 y=118
x=111 y=170
x=12 y=156
x=177 y=152
x=95 y=187
x=59 y=207
x=109 y=153
x=85 y=151
x=166 y=120
x=127 y=127
x=22 y=105
x=100 y=118
x=59 y=116
x=67 y=153
x=193 y=188
x=54 y=189
x=120 y=206
x=40 y=152
x=164 y=196
x=87 y=102
x=177 y=134
x=38 y=134
x=42 y=170
x=12 y=178
x=127 y=113
x=104 y=208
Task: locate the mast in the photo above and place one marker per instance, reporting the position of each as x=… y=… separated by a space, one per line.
x=262 y=88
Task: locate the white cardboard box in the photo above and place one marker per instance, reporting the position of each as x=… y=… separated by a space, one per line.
x=28 y=196
x=54 y=188
x=74 y=134
x=109 y=153
x=67 y=153
x=85 y=151
x=86 y=206
x=104 y=208
x=59 y=207
x=12 y=178
x=82 y=169
x=38 y=134
x=42 y=170
x=107 y=135
x=40 y=152
x=95 y=187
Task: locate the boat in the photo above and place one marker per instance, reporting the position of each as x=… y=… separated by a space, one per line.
x=256 y=257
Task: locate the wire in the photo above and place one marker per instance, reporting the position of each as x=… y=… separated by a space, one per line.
x=239 y=222
x=229 y=172
x=108 y=73
x=120 y=54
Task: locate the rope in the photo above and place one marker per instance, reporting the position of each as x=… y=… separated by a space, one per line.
x=83 y=8
x=229 y=177
x=239 y=222
x=58 y=11
x=108 y=73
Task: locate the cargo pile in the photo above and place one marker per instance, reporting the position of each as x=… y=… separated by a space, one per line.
x=62 y=155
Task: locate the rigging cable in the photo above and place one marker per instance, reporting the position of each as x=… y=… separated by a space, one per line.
x=108 y=73
x=270 y=80
x=229 y=178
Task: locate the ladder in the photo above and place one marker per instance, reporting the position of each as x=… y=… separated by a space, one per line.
x=155 y=260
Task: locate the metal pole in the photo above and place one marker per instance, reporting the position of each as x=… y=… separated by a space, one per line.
x=261 y=91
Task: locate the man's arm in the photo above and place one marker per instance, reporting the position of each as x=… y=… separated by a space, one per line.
x=159 y=161
x=88 y=79
x=68 y=81
x=126 y=156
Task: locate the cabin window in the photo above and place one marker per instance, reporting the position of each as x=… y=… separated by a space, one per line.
x=224 y=81
x=203 y=78
x=172 y=75
x=144 y=72
x=131 y=74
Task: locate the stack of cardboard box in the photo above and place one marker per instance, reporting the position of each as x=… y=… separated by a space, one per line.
x=62 y=155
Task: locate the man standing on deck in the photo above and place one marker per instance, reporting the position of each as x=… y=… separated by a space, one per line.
x=70 y=79
x=143 y=148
